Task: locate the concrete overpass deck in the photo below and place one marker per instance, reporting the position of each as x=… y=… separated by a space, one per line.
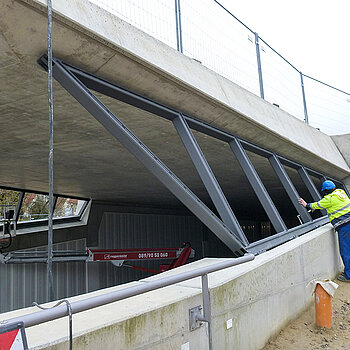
x=90 y=38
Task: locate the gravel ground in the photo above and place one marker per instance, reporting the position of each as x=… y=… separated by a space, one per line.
x=303 y=334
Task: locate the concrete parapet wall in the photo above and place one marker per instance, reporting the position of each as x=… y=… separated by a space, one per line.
x=260 y=297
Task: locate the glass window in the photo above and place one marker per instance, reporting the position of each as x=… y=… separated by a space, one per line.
x=34 y=207
x=66 y=207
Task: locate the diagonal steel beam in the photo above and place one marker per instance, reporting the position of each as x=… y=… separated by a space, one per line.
x=315 y=194
x=258 y=186
x=207 y=177
x=152 y=163
x=289 y=187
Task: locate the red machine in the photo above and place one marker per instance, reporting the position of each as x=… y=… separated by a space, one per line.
x=179 y=256
x=117 y=257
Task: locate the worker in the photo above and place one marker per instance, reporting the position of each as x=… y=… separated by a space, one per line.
x=337 y=204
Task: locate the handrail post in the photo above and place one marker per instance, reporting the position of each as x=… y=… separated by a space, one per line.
x=178 y=26
x=304 y=99
x=207 y=307
x=262 y=95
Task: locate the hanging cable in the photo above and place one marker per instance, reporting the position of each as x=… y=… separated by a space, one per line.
x=69 y=309
x=50 y=226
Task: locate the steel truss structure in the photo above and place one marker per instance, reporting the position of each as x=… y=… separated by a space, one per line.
x=226 y=227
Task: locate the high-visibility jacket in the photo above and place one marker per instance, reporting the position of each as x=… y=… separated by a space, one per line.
x=337 y=205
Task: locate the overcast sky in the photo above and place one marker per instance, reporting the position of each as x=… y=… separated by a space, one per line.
x=312 y=34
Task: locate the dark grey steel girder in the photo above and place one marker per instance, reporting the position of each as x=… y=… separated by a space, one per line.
x=280 y=238
x=207 y=177
x=315 y=194
x=258 y=186
x=201 y=211
x=289 y=187
x=153 y=164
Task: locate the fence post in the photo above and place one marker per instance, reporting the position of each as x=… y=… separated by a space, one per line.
x=304 y=99
x=259 y=66
x=178 y=26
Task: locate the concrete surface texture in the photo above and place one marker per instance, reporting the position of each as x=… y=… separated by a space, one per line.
x=95 y=40
x=343 y=144
x=250 y=304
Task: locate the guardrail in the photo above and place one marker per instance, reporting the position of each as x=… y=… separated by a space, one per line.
x=196 y=317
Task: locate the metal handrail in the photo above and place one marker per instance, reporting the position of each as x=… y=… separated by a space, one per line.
x=36 y=318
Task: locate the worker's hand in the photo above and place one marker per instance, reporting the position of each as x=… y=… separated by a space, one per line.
x=302 y=202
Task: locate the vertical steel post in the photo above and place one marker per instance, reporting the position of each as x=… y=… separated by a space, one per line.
x=207 y=308
x=259 y=66
x=50 y=225
x=289 y=187
x=304 y=99
x=207 y=177
x=257 y=186
x=178 y=26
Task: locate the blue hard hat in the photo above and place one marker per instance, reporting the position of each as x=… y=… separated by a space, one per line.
x=328 y=185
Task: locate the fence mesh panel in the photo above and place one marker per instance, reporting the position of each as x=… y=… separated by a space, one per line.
x=223 y=45
x=282 y=83
x=219 y=41
x=156 y=17
x=328 y=108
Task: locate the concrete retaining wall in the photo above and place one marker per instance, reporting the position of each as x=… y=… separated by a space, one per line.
x=259 y=297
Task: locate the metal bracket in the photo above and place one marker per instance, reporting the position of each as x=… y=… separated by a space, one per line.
x=196 y=317
x=4 y=258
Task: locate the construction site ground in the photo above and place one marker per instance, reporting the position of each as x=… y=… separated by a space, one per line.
x=303 y=334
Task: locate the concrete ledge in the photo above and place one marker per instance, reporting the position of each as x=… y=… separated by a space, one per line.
x=260 y=297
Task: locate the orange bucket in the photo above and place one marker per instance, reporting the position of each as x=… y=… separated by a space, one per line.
x=323 y=307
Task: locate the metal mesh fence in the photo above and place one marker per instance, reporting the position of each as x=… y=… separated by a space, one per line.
x=227 y=48
x=328 y=108
x=207 y=32
x=156 y=17
x=281 y=82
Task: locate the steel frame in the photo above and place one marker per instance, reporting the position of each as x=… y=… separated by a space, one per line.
x=151 y=162
x=78 y=82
